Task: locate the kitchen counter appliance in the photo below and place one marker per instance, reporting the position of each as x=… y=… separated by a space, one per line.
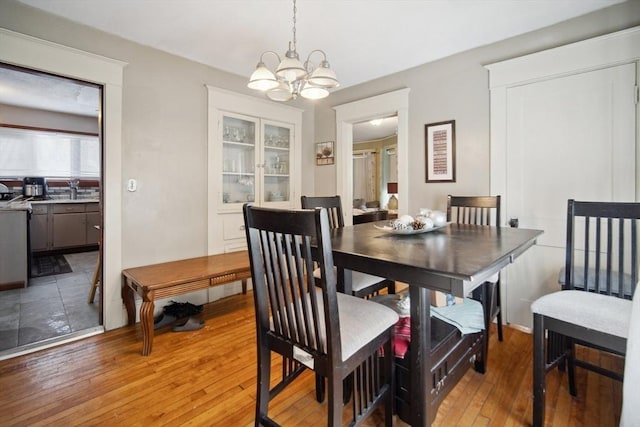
x=5 y=194
x=34 y=187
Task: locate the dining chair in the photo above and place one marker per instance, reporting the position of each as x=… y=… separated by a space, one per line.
x=362 y=284
x=481 y=210
x=593 y=307
x=313 y=326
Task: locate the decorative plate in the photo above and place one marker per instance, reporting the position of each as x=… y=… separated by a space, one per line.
x=391 y=230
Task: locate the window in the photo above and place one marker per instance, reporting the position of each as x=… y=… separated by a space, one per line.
x=25 y=152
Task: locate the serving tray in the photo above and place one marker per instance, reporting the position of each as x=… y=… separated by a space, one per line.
x=391 y=230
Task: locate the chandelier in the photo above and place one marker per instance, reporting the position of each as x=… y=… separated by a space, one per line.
x=292 y=77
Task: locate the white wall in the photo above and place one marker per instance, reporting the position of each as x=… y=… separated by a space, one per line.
x=457 y=88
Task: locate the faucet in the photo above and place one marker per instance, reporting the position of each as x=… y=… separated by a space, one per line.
x=73 y=187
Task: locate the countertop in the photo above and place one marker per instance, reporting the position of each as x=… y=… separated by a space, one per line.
x=52 y=201
x=22 y=205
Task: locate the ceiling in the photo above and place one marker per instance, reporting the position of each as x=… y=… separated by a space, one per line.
x=363 y=39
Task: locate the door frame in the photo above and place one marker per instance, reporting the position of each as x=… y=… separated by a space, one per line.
x=30 y=52
x=622 y=47
x=396 y=102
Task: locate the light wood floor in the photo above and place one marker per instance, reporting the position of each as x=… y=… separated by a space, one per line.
x=207 y=378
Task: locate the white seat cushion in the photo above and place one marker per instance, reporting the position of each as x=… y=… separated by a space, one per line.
x=593 y=311
x=360 y=321
x=359 y=280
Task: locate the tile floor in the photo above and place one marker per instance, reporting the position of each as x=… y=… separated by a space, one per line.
x=51 y=306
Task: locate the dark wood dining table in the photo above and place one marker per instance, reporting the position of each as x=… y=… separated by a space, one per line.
x=454 y=259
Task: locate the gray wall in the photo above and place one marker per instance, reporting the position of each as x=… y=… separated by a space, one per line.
x=164 y=134
x=457 y=88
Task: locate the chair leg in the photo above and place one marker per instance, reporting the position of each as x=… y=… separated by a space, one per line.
x=335 y=404
x=320 y=389
x=571 y=366
x=264 y=376
x=538 y=370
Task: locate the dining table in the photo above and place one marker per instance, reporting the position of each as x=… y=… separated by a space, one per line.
x=454 y=259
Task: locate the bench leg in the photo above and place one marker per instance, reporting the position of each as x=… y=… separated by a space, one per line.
x=146 y=321
x=129 y=303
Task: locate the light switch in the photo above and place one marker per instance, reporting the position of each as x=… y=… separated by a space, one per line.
x=132 y=185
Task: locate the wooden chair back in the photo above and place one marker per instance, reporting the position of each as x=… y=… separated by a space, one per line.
x=602 y=247
x=290 y=312
x=475 y=210
x=332 y=204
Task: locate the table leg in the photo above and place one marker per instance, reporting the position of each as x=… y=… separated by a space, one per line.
x=420 y=349
x=485 y=294
x=146 y=321
x=129 y=302
x=344 y=281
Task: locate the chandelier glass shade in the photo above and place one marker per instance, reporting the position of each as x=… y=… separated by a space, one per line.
x=293 y=77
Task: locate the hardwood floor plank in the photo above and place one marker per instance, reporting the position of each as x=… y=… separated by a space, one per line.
x=208 y=378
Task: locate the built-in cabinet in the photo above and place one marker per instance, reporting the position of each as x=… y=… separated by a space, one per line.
x=56 y=226
x=254 y=156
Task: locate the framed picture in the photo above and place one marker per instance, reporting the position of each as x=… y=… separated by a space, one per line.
x=440 y=150
x=325 y=153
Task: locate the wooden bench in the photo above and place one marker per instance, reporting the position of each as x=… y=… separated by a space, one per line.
x=165 y=280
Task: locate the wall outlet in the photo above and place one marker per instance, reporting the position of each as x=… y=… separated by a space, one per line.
x=132 y=185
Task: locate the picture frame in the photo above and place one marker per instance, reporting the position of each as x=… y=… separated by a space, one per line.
x=440 y=151
x=325 y=153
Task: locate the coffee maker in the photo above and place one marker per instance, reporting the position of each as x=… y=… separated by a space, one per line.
x=34 y=187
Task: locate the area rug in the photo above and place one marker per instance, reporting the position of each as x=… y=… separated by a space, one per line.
x=46 y=265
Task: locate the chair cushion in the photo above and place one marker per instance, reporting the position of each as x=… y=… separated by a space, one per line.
x=602 y=313
x=358 y=280
x=360 y=321
x=578 y=280
x=630 y=396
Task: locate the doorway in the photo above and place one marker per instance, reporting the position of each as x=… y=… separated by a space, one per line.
x=375 y=162
x=389 y=104
x=51 y=128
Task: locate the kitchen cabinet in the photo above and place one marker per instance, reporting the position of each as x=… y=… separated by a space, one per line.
x=38 y=227
x=13 y=249
x=60 y=225
x=254 y=156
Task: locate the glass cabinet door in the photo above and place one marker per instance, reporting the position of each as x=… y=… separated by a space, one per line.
x=276 y=156
x=238 y=159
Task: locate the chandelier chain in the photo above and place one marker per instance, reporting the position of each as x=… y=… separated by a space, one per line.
x=294 y=25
